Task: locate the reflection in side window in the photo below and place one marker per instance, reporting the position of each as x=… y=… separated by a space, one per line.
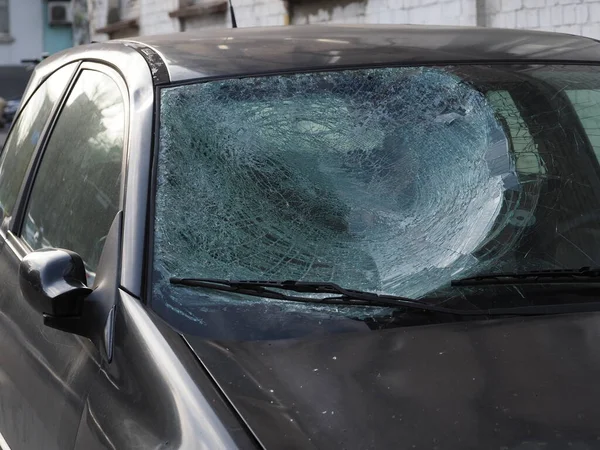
x=75 y=194
x=25 y=135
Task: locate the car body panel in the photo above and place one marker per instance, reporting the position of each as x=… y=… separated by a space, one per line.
x=154 y=394
x=45 y=373
x=488 y=384
x=235 y=52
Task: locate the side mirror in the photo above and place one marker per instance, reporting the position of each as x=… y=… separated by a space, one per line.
x=53 y=281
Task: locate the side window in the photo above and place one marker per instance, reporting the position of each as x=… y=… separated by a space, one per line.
x=75 y=194
x=25 y=134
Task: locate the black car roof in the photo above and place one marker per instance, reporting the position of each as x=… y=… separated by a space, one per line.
x=243 y=51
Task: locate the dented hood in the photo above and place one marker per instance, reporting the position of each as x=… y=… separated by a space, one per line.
x=521 y=383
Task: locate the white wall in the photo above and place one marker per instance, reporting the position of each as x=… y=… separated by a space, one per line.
x=259 y=13
x=154 y=16
x=26 y=29
x=566 y=16
x=440 y=12
x=98 y=12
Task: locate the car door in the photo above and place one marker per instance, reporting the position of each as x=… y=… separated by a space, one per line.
x=68 y=200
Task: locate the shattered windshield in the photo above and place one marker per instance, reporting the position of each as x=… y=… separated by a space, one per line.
x=391 y=180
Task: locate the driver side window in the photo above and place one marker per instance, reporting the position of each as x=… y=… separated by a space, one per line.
x=25 y=134
x=75 y=194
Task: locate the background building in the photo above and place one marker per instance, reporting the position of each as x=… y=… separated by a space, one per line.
x=21 y=30
x=29 y=28
x=121 y=18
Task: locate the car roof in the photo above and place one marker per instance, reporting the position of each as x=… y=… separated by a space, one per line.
x=250 y=51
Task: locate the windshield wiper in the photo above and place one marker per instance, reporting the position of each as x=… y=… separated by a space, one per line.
x=351 y=297
x=581 y=275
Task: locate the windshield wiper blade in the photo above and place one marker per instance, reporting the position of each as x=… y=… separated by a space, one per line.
x=351 y=297
x=581 y=275
x=291 y=285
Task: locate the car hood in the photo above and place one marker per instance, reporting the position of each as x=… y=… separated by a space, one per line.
x=520 y=383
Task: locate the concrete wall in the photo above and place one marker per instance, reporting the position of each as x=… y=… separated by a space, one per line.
x=154 y=16
x=81 y=21
x=97 y=16
x=259 y=13
x=566 y=16
x=440 y=12
x=26 y=30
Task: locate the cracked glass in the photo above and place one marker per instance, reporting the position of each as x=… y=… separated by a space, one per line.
x=391 y=180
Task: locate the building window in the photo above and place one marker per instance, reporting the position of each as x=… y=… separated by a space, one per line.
x=4 y=22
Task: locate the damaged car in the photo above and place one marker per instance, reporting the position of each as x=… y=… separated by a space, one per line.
x=312 y=237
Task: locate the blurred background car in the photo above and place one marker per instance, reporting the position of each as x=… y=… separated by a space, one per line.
x=10 y=109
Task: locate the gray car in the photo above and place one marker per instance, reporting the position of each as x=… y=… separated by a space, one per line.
x=304 y=237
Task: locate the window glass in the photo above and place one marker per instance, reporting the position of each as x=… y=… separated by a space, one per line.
x=527 y=157
x=587 y=105
x=25 y=135
x=387 y=180
x=75 y=194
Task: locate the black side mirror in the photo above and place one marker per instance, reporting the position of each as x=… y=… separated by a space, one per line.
x=53 y=281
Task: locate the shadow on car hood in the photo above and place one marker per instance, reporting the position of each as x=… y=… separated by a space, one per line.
x=525 y=383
